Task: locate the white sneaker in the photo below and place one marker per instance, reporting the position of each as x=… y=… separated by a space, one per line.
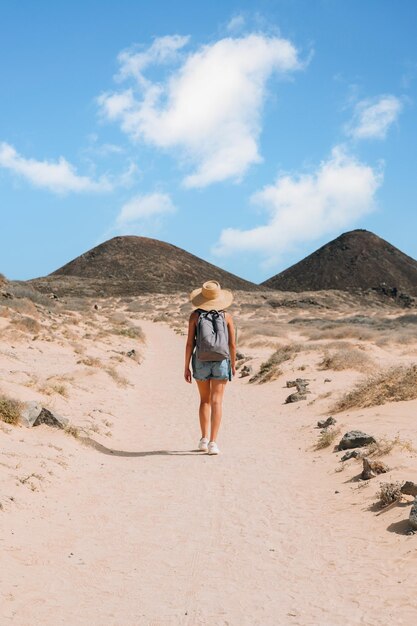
x=212 y=448
x=203 y=444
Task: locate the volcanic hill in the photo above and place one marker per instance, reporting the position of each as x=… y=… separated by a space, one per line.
x=355 y=260
x=131 y=265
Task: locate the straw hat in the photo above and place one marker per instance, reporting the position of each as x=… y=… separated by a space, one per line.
x=211 y=296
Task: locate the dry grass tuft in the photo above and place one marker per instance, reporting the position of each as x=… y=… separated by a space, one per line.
x=133 y=332
x=9 y=410
x=270 y=369
x=395 y=384
x=26 y=324
x=388 y=493
x=327 y=437
x=384 y=446
x=72 y=430
x=120 y=380
x=346 y=359
x=90 y=361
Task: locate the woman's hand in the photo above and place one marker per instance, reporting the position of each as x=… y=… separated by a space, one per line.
x=233 y=369
x=187 y=375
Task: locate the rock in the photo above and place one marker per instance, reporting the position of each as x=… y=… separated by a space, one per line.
x=373 y=468
x=131 y=353
x=327 y=380
x=239 y=356
x=296 y=397
x=96 y=307
x=412 y=520
x=351 y=454
x=409 y=489
x=246 y=371
x=33 y=414
x=29 y=413
x=298 y=382
x=355 y=439
x=330 y=421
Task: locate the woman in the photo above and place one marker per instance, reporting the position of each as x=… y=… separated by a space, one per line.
x=211 y=376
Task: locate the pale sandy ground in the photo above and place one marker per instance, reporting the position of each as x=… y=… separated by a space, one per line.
x=140 y=529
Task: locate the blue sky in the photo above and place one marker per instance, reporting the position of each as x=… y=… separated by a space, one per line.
x=248 y=133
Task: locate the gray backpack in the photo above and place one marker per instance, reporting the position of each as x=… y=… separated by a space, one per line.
x=212 y=338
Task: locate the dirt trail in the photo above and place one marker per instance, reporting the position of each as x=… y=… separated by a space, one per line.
x=151 y=532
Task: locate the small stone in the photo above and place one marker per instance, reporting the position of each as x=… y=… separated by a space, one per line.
x=409 y=488
x=131 y=353
x=33 y=414
x=29 y=413
x=351 y=454
x=296 y=397
x=413 y=515
x=330 y=421
x=327 y=380
x=373 y=468
x=337 y=491
x=355 y=439
x=246 y=371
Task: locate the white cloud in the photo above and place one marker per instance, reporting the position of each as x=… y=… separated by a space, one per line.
x=208 y=111
x=305 y=207
x=58 y=177
x=144 y=207
x=374 y=116
x=163 y=50
x=236 y=23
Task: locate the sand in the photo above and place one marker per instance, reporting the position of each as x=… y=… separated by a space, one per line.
x=138 y=528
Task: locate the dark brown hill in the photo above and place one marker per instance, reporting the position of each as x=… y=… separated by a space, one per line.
x=355 y=260
x=132 y=265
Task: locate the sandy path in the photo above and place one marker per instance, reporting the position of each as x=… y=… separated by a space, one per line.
x=154 y=533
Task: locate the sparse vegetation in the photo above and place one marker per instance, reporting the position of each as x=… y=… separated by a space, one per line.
x=327 y=437
x=392 y=385
x=26 y=324
x=388 y=493
x=344 y=359
x=384 y=446
x=9 y=409
x=270 y=369
x=72 y=430
x=90 y=361
x=133 y=332
x=120 y=380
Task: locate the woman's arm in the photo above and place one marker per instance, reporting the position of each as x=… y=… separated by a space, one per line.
x=232 y=342
x=189 y=347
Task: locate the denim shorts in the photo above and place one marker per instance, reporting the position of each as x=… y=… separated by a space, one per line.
x=205 y=370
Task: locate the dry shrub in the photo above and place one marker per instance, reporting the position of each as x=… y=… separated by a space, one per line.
x=51 y=388
x=392 y=385
x=270 y=370
x=72 y=430
x=20 y=290
x=26 y=324
x=9 y=409
x=327 y=437
x=90 y=362
x=133 y=332
x=384 y=446
x=120 y=380
x=346 y=359
x=342 y=332
x=77 y=304
x=388 y=493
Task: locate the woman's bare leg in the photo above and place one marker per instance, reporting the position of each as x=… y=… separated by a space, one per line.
x=216 y=401
x=204 y=411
